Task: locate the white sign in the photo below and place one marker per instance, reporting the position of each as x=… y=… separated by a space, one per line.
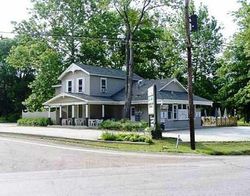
x=151 y=110
x=182 y=114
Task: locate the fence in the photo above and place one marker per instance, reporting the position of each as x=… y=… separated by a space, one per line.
x=39 y=115
x=219 y=121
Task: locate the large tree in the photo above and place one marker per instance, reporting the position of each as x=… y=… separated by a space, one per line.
x=235 y=70
x=206 y=46
x=13 y=83
x=133 y=14
x=38 y=57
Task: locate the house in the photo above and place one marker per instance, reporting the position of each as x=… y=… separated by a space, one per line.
x=87 y=94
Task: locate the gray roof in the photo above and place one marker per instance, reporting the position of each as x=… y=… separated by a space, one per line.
x=92 y=98
x=141 y=92
x=106 y=71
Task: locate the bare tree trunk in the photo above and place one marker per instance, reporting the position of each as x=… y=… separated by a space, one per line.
x=129 y=75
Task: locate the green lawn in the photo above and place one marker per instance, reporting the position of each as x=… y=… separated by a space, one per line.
x=166 y=145
x=242 y=123
x=169 y=145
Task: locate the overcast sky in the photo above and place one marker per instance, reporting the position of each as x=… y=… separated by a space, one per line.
x=16 y=10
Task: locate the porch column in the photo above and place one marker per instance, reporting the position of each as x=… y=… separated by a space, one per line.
x=103 y=111
x=60 y=114
x=49 y=116
x=87 y=114
x=73 y=115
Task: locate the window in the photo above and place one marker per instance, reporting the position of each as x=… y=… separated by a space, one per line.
x=103 y=85
x=184 y=106
x=69 y=86
x=170 y=108
x=80 y=85
x=175 y=112
x=179 y=106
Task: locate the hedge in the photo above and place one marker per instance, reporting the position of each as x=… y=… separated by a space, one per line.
x=123 y=125
x=131 y=137
x=42 y=122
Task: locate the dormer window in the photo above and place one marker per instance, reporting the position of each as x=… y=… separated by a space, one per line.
x=103 y=85
x=80 y=85
x=69 y=86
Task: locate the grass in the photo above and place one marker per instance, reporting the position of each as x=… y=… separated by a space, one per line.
x=242 y=123
x=166 y=145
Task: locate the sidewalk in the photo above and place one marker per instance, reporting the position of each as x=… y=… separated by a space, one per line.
x=87 y=134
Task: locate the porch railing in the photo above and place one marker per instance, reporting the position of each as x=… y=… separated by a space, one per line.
x=81 y=122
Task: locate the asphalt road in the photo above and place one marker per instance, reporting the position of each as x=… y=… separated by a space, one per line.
x=41 y=168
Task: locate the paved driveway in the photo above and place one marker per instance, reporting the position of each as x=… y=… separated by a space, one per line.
x=214 y=134
x=90 y=134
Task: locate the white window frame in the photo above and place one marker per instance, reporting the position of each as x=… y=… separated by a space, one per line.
x=67 y=86
x=78 y=79
x=106 y=85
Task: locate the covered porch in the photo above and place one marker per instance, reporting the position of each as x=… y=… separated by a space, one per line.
x=74 y=111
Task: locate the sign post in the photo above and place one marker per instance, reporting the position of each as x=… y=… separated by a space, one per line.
x=152 y=112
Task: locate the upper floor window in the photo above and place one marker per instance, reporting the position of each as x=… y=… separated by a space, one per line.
x=69 y=86
x=80 y=85
x=103 y=85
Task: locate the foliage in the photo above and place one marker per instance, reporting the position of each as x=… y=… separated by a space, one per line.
x=42 y=122
x=123 y=125
x=131 y=137
x=13 y=82
x=206 y=45
x=234 y=74
x=37 y=56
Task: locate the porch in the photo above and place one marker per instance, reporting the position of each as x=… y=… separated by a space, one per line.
x=89 y=115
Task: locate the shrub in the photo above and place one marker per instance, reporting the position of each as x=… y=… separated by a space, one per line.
x=42 y=122
x=131 y=137
x=123 y=125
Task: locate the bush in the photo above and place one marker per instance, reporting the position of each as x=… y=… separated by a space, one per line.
x=123 y=125
x=10 y=118
x=42 y=122
x=131 y=137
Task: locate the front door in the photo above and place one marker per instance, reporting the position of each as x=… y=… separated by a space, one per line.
x=132 y=113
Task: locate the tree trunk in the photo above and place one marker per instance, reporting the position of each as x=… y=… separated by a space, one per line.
x=129 y=75
x=190 y=78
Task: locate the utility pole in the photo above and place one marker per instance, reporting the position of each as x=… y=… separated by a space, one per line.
x=190 y=77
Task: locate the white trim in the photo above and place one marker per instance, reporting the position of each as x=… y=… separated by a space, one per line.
x=56 y=86
x=106 y=85
x=173 y=80
x=71 y=69
x=103 y=111
x=64 y=95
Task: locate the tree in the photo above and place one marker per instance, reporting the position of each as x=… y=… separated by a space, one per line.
x=35 y=55
x=13 y=84
x=61 y=23
x=133 y=15
x=206 y=45
x=234 y=73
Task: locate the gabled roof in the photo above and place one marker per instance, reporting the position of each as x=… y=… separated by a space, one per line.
x=99 y=71
x=140 y=92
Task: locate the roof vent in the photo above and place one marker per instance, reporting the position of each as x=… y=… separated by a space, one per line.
x=140 y=83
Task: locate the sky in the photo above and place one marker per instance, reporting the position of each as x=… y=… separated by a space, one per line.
x=17 y=10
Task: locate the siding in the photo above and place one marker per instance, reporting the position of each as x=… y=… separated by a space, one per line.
x=74 y=76
x=113 y=86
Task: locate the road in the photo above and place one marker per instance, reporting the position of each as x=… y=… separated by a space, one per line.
x=40 y=168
